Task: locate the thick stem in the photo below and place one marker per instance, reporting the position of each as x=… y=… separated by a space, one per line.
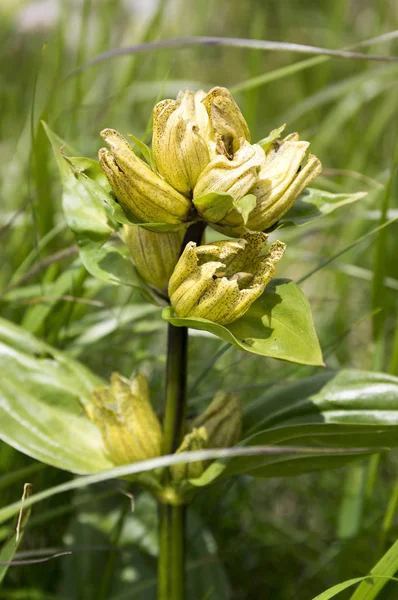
x=171 y=566
x=171 y=569
x=176 y=384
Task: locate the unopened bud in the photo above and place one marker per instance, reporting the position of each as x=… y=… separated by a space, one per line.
x=154 y=254
x=234 y=177
x=226 y=120
x=178 y=142
x=281 y=180
x=128 y=424
x=222 y=420
x=137 y=188
x=196 y=440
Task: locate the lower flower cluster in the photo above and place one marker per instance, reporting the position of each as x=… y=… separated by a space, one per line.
x=132 y=432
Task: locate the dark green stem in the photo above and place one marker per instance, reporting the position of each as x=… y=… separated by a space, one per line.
x=171 y=566
x=171 y=570
x=176 y=383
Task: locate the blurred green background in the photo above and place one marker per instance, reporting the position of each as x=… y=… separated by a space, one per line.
x=279 y=539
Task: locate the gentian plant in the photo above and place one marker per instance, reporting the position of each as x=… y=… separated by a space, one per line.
x=141 y=217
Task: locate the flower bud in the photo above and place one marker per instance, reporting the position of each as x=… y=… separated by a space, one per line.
x=178 y=140
x=281 y=180
x=137 y=188
x=154 y=254
x=220 y=281
x=196 y=440
x=226 y=120
x=222 y=420
x=128 y=424
x=234 y=177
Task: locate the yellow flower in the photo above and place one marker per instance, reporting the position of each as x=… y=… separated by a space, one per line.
x=220 y=281
x=179 y=140
x=137 y=188
x=129 y=426
x=281 y=180
x=234 y=177
x=154 y=254
x=228 y=126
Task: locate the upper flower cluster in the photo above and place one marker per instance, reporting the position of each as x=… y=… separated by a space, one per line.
x=204 y=166
x=201 y=150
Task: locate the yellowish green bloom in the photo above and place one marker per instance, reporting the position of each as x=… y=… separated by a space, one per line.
x=179 y=139
x=228 y=126
x=137 y=188
x=154 y=254
x=220 y=281
x=222 y=421
x=196 y=440
x=192 y=130
x=234 y=176
x=128 y=424
x=283 y=177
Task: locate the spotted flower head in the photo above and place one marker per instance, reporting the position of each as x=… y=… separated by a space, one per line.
x=220 y=281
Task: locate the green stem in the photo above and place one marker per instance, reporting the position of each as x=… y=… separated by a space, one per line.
x=171 y=566
x=176 y=378
x=171 y=571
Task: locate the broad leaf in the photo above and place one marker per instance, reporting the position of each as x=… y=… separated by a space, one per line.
x=279 y=325
x=41 y=396
x=313 y=204
x=88 y=205
x=343 y=410
x=342 y=397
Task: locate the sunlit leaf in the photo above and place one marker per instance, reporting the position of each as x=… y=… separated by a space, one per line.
x=279 y=324
x=347 y=409
x=313 y=204
x=88 y=206
x=42 y=394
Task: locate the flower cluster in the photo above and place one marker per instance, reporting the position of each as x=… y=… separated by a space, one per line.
x=204 y=167
x=131 y=430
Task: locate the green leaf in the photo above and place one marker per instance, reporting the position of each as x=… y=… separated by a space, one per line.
x=348 y=397
x=89 y=208
x=279 y=325
x=313 y=204
x=245 y=205
x=384 y=569
x=11 y=546
x=41 y=396
x=340 y=587
x=347 y=409
x=214 y=206
x=330 y=414
x=145 y=151
x=267 y=142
